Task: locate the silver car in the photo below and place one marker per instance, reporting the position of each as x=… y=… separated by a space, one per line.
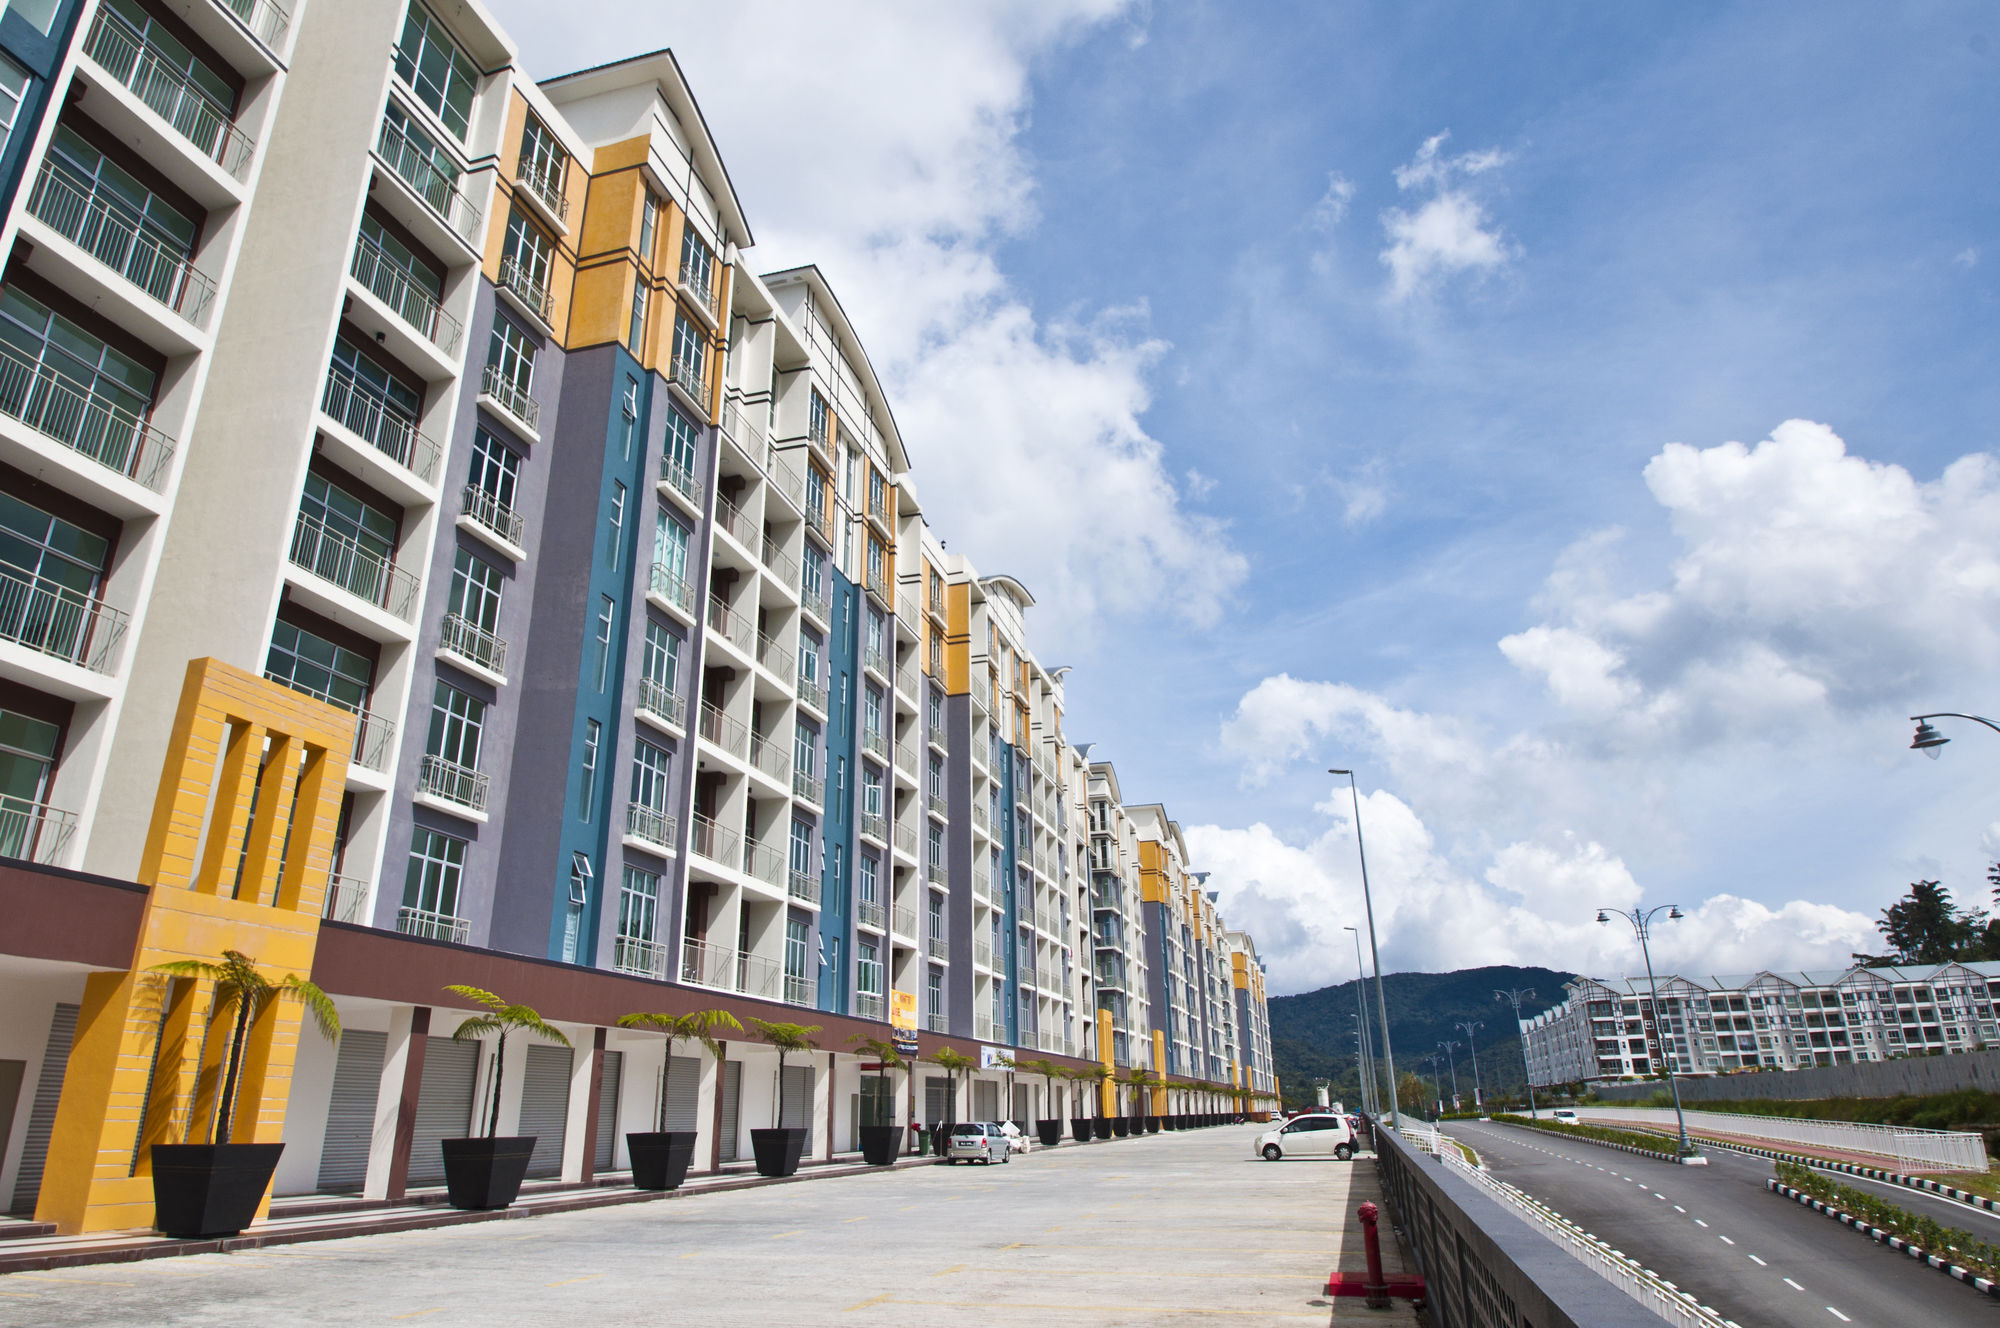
x=978 y=1141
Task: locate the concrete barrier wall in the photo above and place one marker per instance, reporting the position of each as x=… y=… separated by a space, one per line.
x=1915 y=1075
x=1908 y=1148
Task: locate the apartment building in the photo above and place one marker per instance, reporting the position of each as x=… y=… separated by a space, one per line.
x=1609 y=1029
x=433 y=553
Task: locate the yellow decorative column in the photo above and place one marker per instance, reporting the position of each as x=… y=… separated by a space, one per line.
x=237 y=857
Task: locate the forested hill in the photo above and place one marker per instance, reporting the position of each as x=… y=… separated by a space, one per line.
x=1312 y=1034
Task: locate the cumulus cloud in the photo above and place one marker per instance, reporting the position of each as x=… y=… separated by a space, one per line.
x=881 y=142
x=1449 y=232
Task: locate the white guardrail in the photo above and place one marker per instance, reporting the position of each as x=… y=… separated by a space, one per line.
x=1677 y=1307
x=1912 y=1149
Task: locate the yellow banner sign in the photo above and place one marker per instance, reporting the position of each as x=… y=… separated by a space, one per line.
x=902 y=1009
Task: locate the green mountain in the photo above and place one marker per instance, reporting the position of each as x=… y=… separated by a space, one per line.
x=1312 y=1034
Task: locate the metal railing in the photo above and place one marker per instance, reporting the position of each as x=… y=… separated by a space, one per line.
x=731 y=626
x=517 y=280
x=511 y=397
x=982 y=1027
x=547 y=192
x=1025 y=972
x=1913 y=1149
x=903 y=921
x=906 y=613
x=687 y=374
x=394 y=287
x=819 y=524
x=765 y=863
x=880 y=586
x=653 y=825
x=803 y=886
x=148 y=261
x=939 y=739
x=801 y=991
x=789 y=480
x=701 y=285
x=980 y=816
x=732 y=735
x=633 y=954
x=730 y=970
x=870 y=913
x=937 y=806
x=938 y=1021
x=818 y=600
x=415 y=167
x=451 y=782
x=775 y=657
x=716 y=842
x=373 y=736
x=906 y=840
x=982 y=954
x=679 y=478
x=878 y=507
x=737 y=523
x=982 y=883
x=368 y=576
x=671 y=587
x=812 y=692
x=374 y=418
x=874 y=743
x=868 y=1004
x=783 y=566
x=65 y=624
x=472 y=643
x=489 y=513
x=906 y=756
x=267 y=21
x=168 y=92
x=937 y=947
x=34 y=831
x=874 y=660
x=656 y=698
x=875 y=826
x=432 y=926
x=346 y=896
x=809 y=787
x=906 y=680
x=770 y=756
x=90 y=425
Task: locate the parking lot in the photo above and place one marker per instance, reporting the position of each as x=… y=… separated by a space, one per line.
x=1182 y=1228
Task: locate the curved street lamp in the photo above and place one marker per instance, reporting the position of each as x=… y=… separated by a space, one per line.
x=1527 y=1071
x=1930 y=742
x=1642 y=922
x=1471 y=1026
x=1368 y=900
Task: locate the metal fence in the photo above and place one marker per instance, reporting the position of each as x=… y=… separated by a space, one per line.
x=1910 y=1148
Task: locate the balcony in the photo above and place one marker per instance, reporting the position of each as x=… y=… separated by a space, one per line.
x=869 y=913
x=269 y=22
x=775 y=657
x=647 y=959
x=980 y=817
x=411 y=302
x=868 y=1005
x=366 y=575
x=689 y=374
x=87 y=424
x=346 y=897
x=731 y=626
x=493 y=517
x=802 y=886
x=938 y=1021
x=875 y=744
x=152 y=77
x=801 y=991
x=982 y=884
x=109 y=236
x=787 y=478
x=770 y=758
x=459 y=785
x=937 y=947
x=875 y=826
x=730 y=970
x=732 y=735
x=805 y=785
x=1025 y=973
x=415 y=168
x=935 y=804
x=513 y=400
x=880 y=587
x=433 y=926
x=662 y=704
x=716 y=842
x=374 y=735
x=784 y=567
x=982 y=1028
x=936 y=600
x=652 y=827
x=479 y=650
x=546 y=189
x=906 y=613
x=906 y=759
x=764 y=863
x=939 y=739
x=737 y=522
x=812 y=692
x=54 y=620
x=666 y=584
x=532 y=296
x=906 y=680
x=379 y=424
x=878 y=509
x=700 y=285
x=875 y=661
x=906 y=843
x=35 y=831
x=676 y=476
x=982 y=954
x=820 y=525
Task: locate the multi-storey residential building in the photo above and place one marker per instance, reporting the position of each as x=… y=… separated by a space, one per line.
x=1769 y=1020
x=430 y=553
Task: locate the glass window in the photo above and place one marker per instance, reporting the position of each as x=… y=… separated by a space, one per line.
x=801 y=847
x=690 y=350
x=670 y=545
x=27 y=759
x=936 y=845
x=680 y=441
x=313 y=665
x=607 y=614
x=615 y=531
x=457 y=720
x=934 y=991
x=375 y=393
x=697 y=264
x=871 y=711
x=475 y=591
x=638 y=905
x=430 y=884
x=543 y=162
x=529 y=250
x=815 y=490
x=496 y=468
x=635 y=333
x=628 y=417
x=586 y=784
x=936 y=920
x=808 y=657
x=176 y=75
x=436 y=69
x=47 y=340
x=513 y=355
x=818 y=417
x=867 y=873
x=650 y=767
x=98 y=181
x=346 y=516
x=936 y=778
x=796 y=935
x=805 y=751
x=871 y=791
x=814 y=571
x=37 y=544
x=419 y=159
x=649 y=226
x=868 y=968
x=660 y=662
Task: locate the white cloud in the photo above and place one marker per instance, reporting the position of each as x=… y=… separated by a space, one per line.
x=1967 y=257
x=881 y=142
x=1331 y=209
x=1449 y=232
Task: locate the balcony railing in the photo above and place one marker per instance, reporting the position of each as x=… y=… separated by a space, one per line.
x=416 y=168
x=802 y=886
x=936 y=598
x=869 y=913
x=34 y=831
x=656 y=698
x=906 y=840
x=812 y=692
x=938 y=947
x=732 y=735
x=980 y=816
x=374 y=735
x=874 y=743
x=783 y=566
x=790 y=481
x=982 y=1027
x=878 y=507
x=982 y=883
x=939 y=739
x=718 y=843
x=770 y=756
x=818 y=600
x=737 y=522
x=110 y=236
x=809 y=787
x=679 y=478
x=547 y=189
x=412 y=303
x=906 y=612
x=801 y=991
x=521 y=284
x=512 y=397
x=868 y=1004
x=51 y=618
x=669 y=585
x=875 y=826
x=651 y=825
x=880 y=587
x=775 y=657
x=938 y=1021
x=82 y=421
x=472 y=643
x=688 y=373
x=764 y=862
x=982 y=954
x=432 y=926
x=701 y=285
x=378 y=423
x=168 y=92
x=630 y=954
x=1025 y=973
x=906 y=680
x=268 y=20
x=875 y=660
x=819 y=524
x=452 y=783
x=346 y=896
x=732 y=626
x=334 y=557
x=906 y=756
x=490 y=514
x=937 y=806
x=730 y=970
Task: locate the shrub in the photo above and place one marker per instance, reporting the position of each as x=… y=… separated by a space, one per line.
x=1926 y=1233
x=1645 y=1143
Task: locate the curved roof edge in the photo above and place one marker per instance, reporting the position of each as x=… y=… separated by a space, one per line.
x=844 y=326
x=1014 y=588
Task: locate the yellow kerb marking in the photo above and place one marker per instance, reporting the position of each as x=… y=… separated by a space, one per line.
x=418 y=1314
x=882 y=1299
x=946 y=1272
x=572 y=1281
x=862 y=1218
x=782 y=1234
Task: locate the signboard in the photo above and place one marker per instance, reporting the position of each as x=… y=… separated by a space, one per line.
x=990 y=1057
x=904 y=1040
x=903 y=1021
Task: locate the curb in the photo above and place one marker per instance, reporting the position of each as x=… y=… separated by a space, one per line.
x=1881 y=1237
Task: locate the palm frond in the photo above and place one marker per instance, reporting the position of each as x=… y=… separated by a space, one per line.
x=523 y=1016
x=478 y=1026
x=479 y=994
x=784 y=1036
x=318 y=1004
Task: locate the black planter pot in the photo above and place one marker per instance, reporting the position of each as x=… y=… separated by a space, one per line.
x=1138 y=1125
x=1121 y=1126
x=777 y=1151
x=485 y=1173
x=660 y=1161
x=1167 y=1122
x=1101 y=1127
x=1079 y=1126
x=1152 y=1125
x=879 y=1144
x=1049 y=1132
x=210 y=1189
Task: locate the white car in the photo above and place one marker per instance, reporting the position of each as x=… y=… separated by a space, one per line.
x=1564 y=1116
x=1315 y=1134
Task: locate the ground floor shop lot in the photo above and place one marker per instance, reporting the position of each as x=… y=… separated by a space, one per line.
x=1173 y=1228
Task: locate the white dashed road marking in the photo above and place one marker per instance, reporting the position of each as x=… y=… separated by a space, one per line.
x=1793 y=1285
x=1754 y=1259
x=1698 y=1222
x=1838 y=1315
x=1725 y=1240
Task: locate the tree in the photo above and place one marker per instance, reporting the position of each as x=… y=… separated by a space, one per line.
x=952 y=1062
x=696 y=1026
x=788 y=1039
x=1413 y=1095
x=242 y=991
x=501 y=1018
x=1140 y=1078
x=885 y=1053
x=1050 y=1072
x=1926 y=927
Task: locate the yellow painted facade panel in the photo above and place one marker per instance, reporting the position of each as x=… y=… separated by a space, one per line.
x=958 y=638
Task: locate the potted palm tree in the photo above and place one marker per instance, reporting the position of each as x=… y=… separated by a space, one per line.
x=660 y=1158
x=213 y=1189
x=881 y=1137
x=1143 y=1083
x=1047 y=1128
x=1079 y=1121
x=485 y=1171
x=778 y=1149
x=1095 y=1075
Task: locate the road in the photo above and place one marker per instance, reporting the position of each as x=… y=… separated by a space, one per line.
x=1715 y=1231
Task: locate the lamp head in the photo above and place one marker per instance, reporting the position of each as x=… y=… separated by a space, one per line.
x=1602 y=916
x=1928 y=740
x=1348 y=773
x=1674 y=914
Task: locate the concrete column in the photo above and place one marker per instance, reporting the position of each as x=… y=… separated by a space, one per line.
x=832 y=1069
x=715 y=1109
x=396 y=1103
x=586 y=1073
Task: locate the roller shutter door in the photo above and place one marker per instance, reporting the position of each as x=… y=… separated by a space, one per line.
x=42 y=1116
x=937 y=1099
x=684 y=1094
x=732 y=1100
x=350 y=1115
x=607 y=1110
x=985 y=1100
x=799 y=1101
x=444 y=1105
x=545 y=1106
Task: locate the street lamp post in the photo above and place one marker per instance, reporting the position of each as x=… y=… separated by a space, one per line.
x=1361 y=997
x=1930 y=742
x=1374 y=951
x=1472 y=1053
x=1448 y=1048
x=1528 y=1075
x=1430 y=1062
x=1642 y=921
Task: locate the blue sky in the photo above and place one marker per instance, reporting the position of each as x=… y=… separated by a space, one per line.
x=1353 y=384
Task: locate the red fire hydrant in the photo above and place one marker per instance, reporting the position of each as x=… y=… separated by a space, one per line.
x=1375 y=1289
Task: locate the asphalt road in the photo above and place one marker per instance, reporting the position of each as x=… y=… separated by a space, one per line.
x=1715 y=1231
